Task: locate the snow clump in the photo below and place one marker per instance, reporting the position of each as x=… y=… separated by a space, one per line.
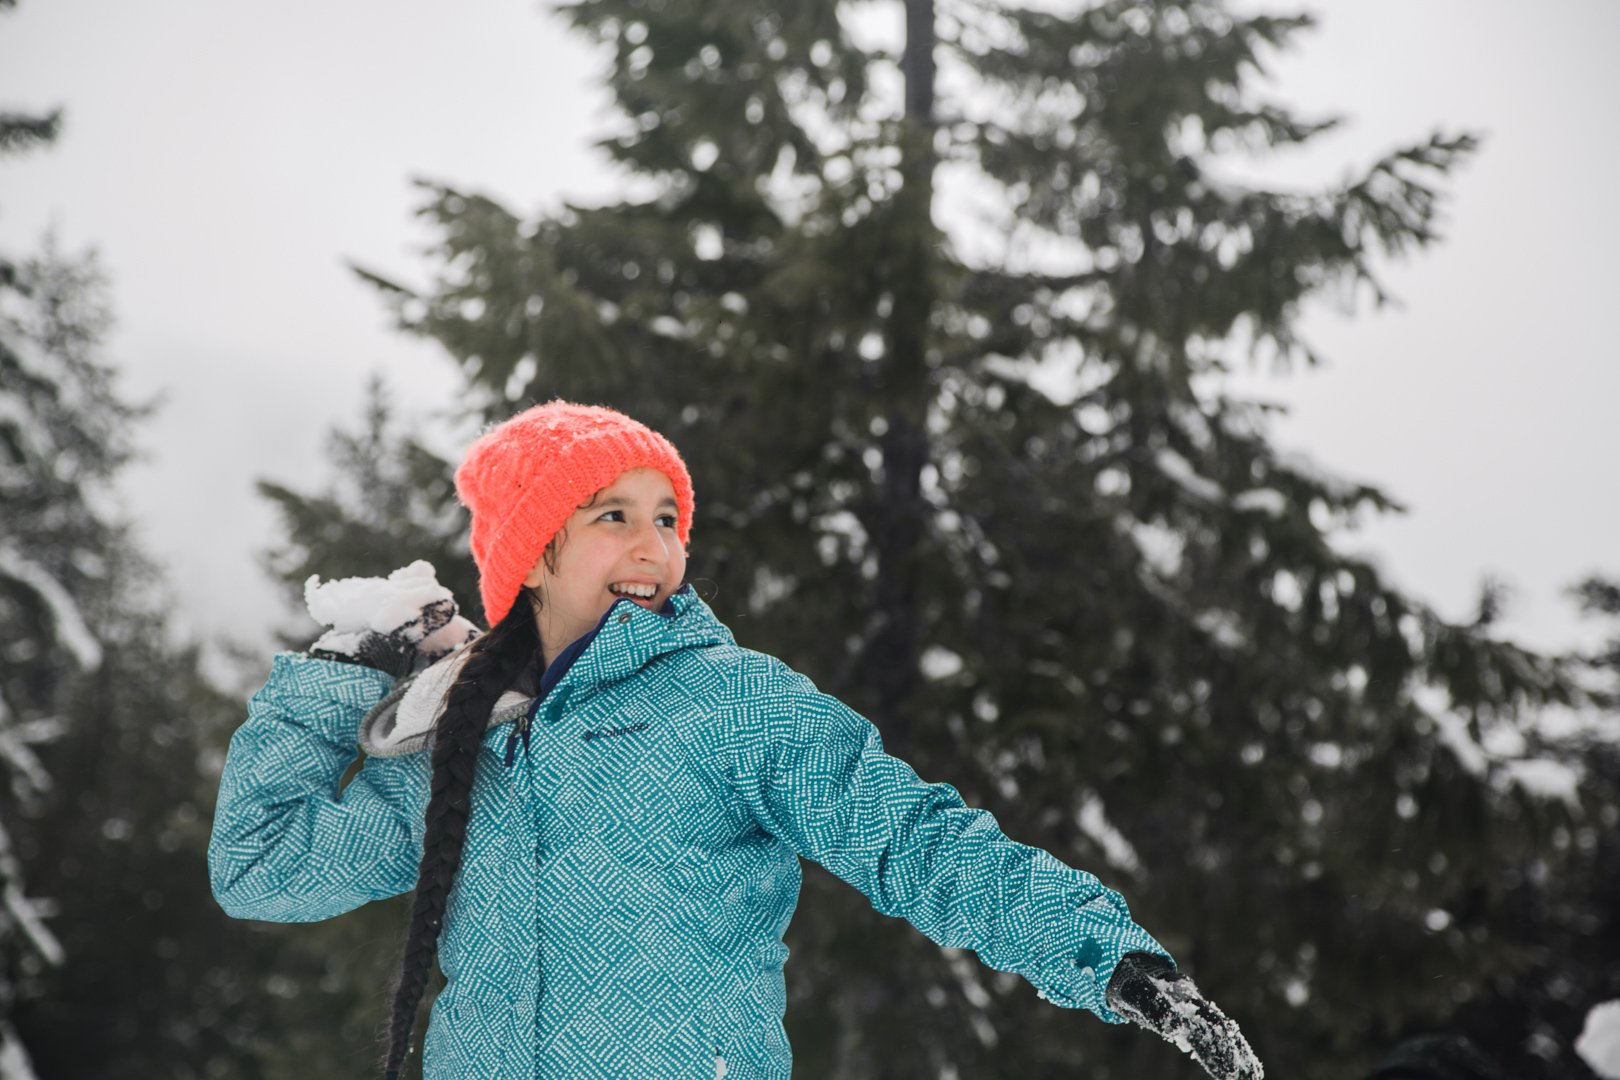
x=352 y=607
x=1599 y=1044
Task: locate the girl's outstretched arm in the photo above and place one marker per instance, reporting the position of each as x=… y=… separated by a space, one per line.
x=814 y=774
x=288 y=846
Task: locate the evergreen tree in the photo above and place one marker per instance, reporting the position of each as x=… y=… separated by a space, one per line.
x=102 y=718
x=990 y=488
x=36 y=600
x=114 y=960
x=1565 y=898
x=117 y=963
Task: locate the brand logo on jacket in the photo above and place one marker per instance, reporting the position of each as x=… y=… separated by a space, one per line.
x=615 y=732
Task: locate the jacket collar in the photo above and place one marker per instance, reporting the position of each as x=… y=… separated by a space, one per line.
x=627 y=639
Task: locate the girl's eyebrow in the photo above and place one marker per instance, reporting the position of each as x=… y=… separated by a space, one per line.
x=620 y=500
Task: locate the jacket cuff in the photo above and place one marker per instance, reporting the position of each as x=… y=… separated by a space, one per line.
x=1096 y=936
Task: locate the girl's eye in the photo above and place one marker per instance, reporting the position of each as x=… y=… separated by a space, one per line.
x=668 y=521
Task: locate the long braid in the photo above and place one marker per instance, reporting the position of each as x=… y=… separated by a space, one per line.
x=494 y=663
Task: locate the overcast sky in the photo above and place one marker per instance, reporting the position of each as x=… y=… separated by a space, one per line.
x=228 y=160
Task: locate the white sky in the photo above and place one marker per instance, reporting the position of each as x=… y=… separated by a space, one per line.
x=227 y=160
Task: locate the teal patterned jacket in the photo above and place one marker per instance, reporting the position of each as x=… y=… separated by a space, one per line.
x=626 y=883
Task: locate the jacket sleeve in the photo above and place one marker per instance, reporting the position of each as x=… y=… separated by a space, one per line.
x=287 y=845
x=814 y=774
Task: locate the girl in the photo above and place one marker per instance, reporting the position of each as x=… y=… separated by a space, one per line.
x=601 y=802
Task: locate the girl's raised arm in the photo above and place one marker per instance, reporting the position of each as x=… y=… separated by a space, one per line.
x=287 y=845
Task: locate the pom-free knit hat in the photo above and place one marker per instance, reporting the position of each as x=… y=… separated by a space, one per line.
x=522 y=478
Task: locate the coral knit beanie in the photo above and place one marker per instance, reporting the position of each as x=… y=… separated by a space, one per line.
x=523 y=478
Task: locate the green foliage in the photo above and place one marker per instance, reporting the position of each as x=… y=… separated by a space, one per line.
x=27 y=131
x=394 y=502
x=117 y=843
x=114 y=959
x=19 y=134
x=1566 y=924
x=59 y=442
x=110 y=748
x=102 y=727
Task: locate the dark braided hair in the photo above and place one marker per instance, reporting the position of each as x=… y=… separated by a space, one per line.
x=494 y=662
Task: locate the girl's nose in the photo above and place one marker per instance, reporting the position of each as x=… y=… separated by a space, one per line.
x=650 y=545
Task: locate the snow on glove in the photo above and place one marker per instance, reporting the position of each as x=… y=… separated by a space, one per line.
x=1148 y=990
x=396 y=624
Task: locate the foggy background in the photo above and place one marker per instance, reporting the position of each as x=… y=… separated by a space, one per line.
x=227 y=161
x=1132 y=629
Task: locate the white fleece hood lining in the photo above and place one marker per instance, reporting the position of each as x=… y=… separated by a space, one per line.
x=402 y=722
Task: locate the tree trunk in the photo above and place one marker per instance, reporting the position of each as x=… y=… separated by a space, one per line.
x=898 y=520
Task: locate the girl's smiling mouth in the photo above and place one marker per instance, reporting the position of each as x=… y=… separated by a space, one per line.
x=641 y=593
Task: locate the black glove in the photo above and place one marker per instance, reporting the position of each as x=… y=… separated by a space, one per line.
x=395 y=652
x=1149 y=991
x=398 y=624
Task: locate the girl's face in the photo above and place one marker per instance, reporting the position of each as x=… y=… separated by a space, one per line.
x=621 y=544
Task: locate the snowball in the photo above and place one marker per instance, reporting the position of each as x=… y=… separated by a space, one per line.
x=1599 y=1044
x=357 y=604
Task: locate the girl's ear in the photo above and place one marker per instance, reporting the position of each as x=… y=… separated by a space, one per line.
x=536 y=575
